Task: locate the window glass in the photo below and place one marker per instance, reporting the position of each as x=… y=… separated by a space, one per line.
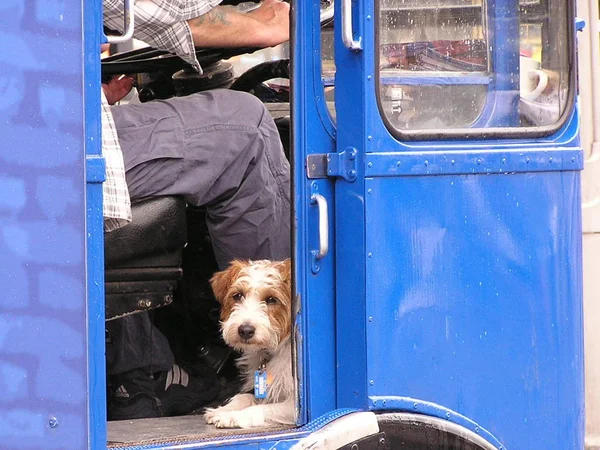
x=327 y=54
x=452 y=64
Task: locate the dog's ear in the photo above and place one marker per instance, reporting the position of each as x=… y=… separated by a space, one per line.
x=285 y=269
x=222 y=281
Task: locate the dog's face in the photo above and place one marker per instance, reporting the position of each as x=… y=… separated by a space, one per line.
x=255 y=302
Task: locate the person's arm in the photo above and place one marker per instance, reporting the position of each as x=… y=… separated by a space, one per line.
x=223 y=26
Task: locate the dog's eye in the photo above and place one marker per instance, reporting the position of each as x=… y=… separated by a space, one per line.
x=272 y=300
x=237 y=296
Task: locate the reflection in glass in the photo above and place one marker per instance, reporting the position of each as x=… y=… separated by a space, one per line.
x=327 y=54
x=452 y=64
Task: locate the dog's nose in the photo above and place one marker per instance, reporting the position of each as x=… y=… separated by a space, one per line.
x=246 y=331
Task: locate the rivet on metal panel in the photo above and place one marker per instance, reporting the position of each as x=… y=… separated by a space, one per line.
x=369 y=191
x=399 y=163
x=53 y=422
x=503 y=160
x=447 y=415
x=370 y=138
x=415 y=405
x=370 y=164
x=478 y=160
x=351 y=173
x=383 y=402
x=453 y=162
x=426 y=163
x=369 y=254
x=369 y=77
x=352 y=154
x=371 y=382
x=369 y=17
x=370 y=318
x=527 y=160
x=573 y=159
x=550 y=159
x=315 y=267
x=354 y=447
x=381 y=442
x=476 y=429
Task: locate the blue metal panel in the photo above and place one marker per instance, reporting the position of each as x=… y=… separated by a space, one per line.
x=354 y=79
x=43 y=333
x=474 y=301
x=95 y=175
x=473 y=162
x=312 y=133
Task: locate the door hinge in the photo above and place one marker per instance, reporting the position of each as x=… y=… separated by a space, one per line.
x=342 y=164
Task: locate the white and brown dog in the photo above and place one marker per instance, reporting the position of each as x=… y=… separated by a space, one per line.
x=255 y=298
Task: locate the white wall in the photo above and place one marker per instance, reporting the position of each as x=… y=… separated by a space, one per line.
x=589 y=85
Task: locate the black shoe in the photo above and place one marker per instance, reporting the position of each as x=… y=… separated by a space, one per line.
x=181 y=392
x=131 y=396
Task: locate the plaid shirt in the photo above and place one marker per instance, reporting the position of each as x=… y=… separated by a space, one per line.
x=161 y=24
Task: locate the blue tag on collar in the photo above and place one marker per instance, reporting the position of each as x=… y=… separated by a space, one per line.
x=260 y=384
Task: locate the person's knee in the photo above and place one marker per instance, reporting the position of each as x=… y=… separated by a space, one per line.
x=242 y=108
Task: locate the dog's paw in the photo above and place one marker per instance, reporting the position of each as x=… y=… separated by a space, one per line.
x=238 y=419
x=210 y=413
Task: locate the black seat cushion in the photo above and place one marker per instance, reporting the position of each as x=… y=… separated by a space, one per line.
x=154 y=238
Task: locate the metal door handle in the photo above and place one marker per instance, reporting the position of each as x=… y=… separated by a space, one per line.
x=128 y=24
x=321 y=203
x=347 y=35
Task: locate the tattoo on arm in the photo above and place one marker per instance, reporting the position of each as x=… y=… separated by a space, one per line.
x=218 y=15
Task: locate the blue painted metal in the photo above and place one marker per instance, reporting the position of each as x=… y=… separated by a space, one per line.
x=95 y=175
x=475 y=283
x=431 y=409
x=354 y=78
x=281 y=440
x=473 y=279
x=342 y=164
x=43 y=326
x=312 y=133
x=473 y=162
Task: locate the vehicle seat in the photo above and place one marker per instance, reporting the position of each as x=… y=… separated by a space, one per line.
x=143 y=260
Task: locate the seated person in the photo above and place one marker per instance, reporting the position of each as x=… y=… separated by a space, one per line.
x=219 y=149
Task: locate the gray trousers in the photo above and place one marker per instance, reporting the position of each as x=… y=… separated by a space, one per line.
x=220 y=149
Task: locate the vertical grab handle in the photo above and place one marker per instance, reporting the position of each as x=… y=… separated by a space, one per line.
x=128 y=24
x=347 y=35
x=317 y=255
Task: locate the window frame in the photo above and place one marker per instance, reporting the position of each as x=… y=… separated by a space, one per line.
x=529 y=132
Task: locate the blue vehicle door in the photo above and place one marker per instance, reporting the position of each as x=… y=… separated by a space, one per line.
x=314 y=212
x=457 y=216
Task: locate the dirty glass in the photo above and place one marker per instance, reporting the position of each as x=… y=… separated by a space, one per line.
x=465 y=64
x=327 y=54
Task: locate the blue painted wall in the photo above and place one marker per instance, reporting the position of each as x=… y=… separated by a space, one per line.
x=43 y=360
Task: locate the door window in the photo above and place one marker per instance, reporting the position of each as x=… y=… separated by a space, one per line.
x=468 y=64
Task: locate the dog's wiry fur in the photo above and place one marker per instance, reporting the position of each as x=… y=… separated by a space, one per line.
x=257 y=294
